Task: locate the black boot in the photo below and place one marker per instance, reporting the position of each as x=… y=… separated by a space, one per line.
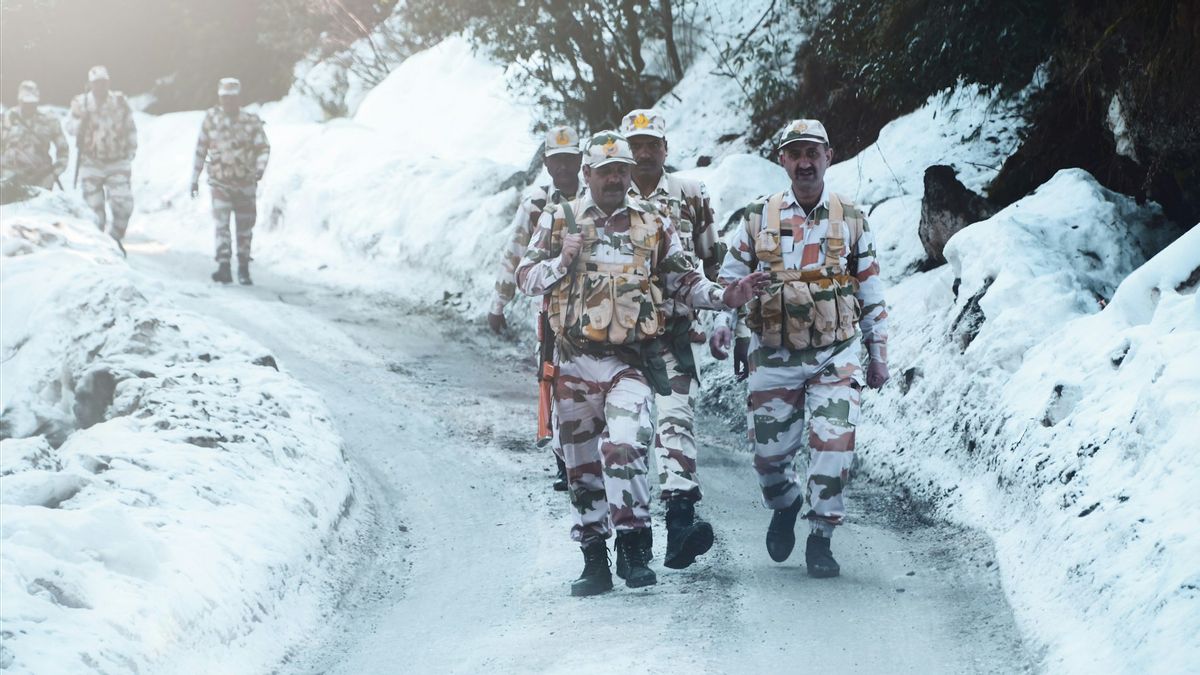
x=596 y=578
x=244 y=273
x=560 y=482
x=781 y=534
x=222 y=274
x=819 y=558
x=634 y=550
x=687 y=535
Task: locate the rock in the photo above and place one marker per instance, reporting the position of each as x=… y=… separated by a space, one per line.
x=947 y=207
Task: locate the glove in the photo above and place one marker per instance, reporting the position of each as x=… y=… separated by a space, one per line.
x=497 y=323
x=877 y=374
x=741 y=358
x=195 y=189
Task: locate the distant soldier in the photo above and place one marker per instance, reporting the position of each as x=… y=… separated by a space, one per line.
x=608 y=261
x=106 y=139
x=685 y=202
x=236 y=147
x=562 y=159
x=28 y=134
x=804 y=345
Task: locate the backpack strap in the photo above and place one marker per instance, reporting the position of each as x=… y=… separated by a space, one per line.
x=773 y=212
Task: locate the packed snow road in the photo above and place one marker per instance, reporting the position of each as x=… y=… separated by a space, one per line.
x=466 y=564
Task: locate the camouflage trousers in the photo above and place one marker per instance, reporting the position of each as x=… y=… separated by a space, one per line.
x=108 y=179
x=240 y=203
x=675 y=440
x=785 y=387
x=604 y=428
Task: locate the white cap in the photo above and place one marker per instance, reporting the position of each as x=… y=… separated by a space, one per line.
x=644 y=122
x=229 y=86
x=28 y=92
x=607 y=147
x=562 y=140
x=796 y=131
x=97 y=73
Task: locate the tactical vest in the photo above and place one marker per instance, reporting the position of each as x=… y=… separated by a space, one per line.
x=804 y=309
x=602 y=302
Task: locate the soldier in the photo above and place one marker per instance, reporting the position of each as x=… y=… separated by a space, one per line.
x=607 y=262
x=562 y=159
x=236 y=147
x=686 y=203
x=106 y=141
x=28 y=134
x=804 y=355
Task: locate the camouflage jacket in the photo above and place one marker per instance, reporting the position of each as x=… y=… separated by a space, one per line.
x=236 y=148
x=105 y=132
x=804 y=247
x=532 y=204
x=26 y=143
x=686 y=203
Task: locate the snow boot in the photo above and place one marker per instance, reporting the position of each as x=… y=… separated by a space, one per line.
x=634 y=550
x=596 y=577
x=244 y=274
x=781 y=534
x=687 y=535
x=222 y=274
x=819 y=558
x=560 y=481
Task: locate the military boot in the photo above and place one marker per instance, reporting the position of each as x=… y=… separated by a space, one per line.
x=222 y=274
x=244 y=273
x=687 y=535
x=560 y=481
x=634 y=550
x=781 y=534
x=819 y=558
x=596 y=577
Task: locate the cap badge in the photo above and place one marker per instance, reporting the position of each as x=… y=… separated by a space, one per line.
x=641 y=121
x=562 y=138
x=610 y=148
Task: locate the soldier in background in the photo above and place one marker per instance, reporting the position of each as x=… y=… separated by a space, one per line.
x=804 y=345
x=106 y=141
x=236 y=148
x=27 y=136
x=686 y=203
x=562 y=158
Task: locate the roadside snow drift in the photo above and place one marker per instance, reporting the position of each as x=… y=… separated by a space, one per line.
x=167 y=491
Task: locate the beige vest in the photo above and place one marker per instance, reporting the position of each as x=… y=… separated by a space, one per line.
x=804 y=309
x=605 y=302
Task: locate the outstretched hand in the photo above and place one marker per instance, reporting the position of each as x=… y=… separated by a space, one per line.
x=746 y=288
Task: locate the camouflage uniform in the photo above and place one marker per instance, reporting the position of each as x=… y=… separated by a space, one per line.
x=603 y=401
x=237 y=151
x=823 y=380
x=26 y=142
x=107 y=139
x=532 y=205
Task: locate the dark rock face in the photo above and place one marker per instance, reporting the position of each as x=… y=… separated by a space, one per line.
x=947 y=207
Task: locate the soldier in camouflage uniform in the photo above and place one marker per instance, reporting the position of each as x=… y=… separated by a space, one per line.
x=562 y=158
x=607 y=262
x=28 y=134
x=236 y=148
x=106 y=137
x=686 y=203
x=804 y=353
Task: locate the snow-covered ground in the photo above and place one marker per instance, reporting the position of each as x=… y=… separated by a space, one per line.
x=1019 y=405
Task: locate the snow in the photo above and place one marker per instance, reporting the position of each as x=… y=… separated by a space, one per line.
x=168 y=494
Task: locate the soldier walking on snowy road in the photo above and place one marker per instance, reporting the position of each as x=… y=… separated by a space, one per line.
x=608 y=261
x=106 y=139
x=804 y=348
x=28 y=134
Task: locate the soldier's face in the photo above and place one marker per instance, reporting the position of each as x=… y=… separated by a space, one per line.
x=608 y=184
x=563 y=169
x=100 y=87
x=650 y=152
x=805 y=164
x=230 y=103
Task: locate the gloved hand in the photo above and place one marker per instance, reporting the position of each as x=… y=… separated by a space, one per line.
x=877 y=374
x=497 y=323
x=741 y=358
x=195 y=189
x=718 y=344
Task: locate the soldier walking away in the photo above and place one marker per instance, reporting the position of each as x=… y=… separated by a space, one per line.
x=106 y=142
x=608 y=261
x=804 y=353
x=27 y=136
x=236 y=148
x=562 y=158
x=686 y=203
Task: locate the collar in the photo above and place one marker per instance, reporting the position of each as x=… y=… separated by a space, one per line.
x=661 y=187
x=789 y=199
x=586 y=203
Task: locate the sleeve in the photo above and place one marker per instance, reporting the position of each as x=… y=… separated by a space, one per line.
x=709 y=248
x=738 y=262
x=541 y=267
x=681 y=280
x=202 y=143
x=61 y=148
x=130 y=128
x=262 y=149
x=870 y=296
x=522 y=226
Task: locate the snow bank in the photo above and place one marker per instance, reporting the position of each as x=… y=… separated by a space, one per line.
x=167 y=492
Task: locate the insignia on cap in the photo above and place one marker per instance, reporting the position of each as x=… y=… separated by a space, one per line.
x=641 y=121
x=562 y=138
x=799 y=128
x=610 y=148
